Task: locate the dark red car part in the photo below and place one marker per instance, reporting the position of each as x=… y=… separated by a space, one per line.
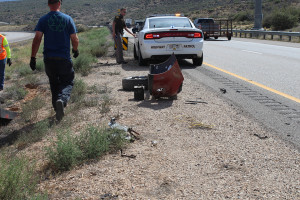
x=165 y=79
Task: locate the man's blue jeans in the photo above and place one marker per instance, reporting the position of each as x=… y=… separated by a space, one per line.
x=2 y=73
x=61 y=77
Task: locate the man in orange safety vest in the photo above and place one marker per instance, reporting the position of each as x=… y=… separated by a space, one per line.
x=5 y=57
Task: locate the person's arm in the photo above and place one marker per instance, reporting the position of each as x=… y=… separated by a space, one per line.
x=6 y=47
x=36 y=43
x=75 y=41
x=129 y=31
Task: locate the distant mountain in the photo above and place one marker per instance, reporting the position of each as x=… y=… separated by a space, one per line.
x=98 y=12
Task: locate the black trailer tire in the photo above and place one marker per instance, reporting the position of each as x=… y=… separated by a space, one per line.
x=135 y=54
x=216 y=37
x=205 y=36
x=198 y=61
x=128 y=83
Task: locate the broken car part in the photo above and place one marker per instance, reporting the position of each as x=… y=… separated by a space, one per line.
x=165 y=79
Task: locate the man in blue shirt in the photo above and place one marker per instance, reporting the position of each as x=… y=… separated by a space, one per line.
x=59 y=29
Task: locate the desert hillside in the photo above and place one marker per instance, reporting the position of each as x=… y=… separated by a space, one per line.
x=98 y=12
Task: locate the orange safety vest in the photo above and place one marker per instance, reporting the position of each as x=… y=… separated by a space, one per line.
x=2 y=50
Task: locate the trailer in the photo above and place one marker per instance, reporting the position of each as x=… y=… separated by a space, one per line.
x=214 y=28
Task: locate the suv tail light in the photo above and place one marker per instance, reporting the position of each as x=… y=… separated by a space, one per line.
x=187 y=34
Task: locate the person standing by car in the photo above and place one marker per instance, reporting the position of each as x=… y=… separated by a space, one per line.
x=117 y=28
x=58 y=29
x=5 y=57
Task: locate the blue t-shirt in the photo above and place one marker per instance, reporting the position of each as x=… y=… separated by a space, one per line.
x=57 y=28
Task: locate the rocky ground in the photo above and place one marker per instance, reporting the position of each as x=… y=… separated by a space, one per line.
x=209 y=150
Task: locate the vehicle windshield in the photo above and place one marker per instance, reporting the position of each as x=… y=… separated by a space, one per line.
x=169 y=23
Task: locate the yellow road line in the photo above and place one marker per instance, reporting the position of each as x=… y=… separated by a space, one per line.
x=255 y=83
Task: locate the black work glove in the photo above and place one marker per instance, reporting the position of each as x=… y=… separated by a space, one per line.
x=33 y=63
x=75 y=53
x=9 y=62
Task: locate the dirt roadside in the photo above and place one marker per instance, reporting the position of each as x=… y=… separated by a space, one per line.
x=231 y=156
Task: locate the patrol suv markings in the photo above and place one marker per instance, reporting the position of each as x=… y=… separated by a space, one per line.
x=189 y=46
x=158 y=47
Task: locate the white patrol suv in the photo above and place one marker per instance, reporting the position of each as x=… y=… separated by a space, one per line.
x=162 y=36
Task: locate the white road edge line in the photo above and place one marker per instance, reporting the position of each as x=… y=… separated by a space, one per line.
x=252 y=52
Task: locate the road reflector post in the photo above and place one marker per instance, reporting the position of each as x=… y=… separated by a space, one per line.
x=125 y=43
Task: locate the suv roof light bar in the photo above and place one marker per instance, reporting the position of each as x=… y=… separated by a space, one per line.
x=165 y=15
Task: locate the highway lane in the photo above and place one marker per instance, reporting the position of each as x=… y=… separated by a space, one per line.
x=273 y=99
x=273 y=64
x=13 y=37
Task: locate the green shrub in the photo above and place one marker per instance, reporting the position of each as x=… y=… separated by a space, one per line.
x=39 y=130
x=79 y=91
x=24 y=70
x=98 y=89
x=82 y=28
x=65 y=154
x=17 y=180
x=117 y=139
x=105 y=104
x=281 y=19
x=98 y=50
x=16 y=92
x=40 y=65
x=8 y=75
x=32 y=80
x=93 y=142
x=91 y=102
x=30 y=109
x=267 y=21
x=82 y=64
x=94 y=42
x=243 y=16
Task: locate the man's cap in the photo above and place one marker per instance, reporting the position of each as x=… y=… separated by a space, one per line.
x=54 y=1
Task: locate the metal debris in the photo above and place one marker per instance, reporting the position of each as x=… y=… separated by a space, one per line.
x=195 y=102
x=261 y=137
x=133 y=134
x=108 y=196
x=154 y=143
x=125 y=155
x=223 y=90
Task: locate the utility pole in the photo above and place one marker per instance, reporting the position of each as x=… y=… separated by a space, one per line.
x=258 y=15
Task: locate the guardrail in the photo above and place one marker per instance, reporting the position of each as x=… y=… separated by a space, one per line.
x=265 y=34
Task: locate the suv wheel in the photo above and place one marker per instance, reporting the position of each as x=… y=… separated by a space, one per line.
x=198 y=61
x=135 y=54
x=142 y=61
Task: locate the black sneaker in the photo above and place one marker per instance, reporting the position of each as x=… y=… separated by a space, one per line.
x=59 y=109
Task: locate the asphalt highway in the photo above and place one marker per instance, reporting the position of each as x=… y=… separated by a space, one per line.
x=273 y=64
x=261 y=77
x=13 y=37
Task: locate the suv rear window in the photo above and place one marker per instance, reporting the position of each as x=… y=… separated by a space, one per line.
x=169 y=23
x=205 y=21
